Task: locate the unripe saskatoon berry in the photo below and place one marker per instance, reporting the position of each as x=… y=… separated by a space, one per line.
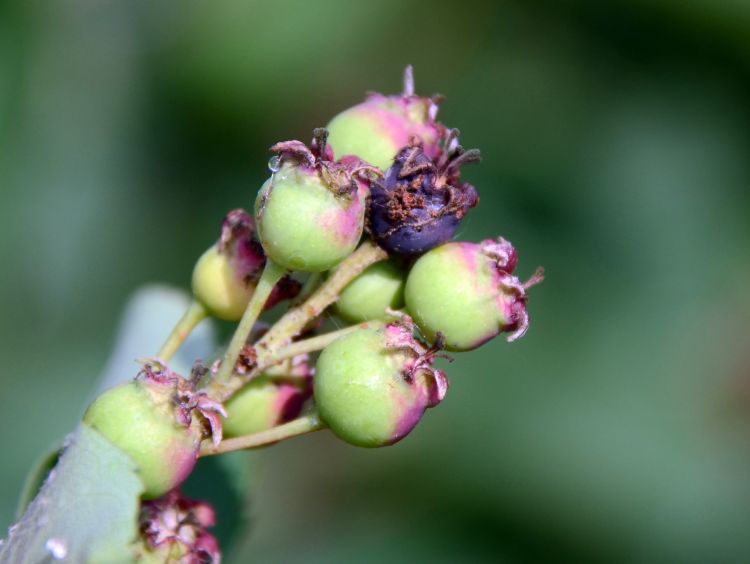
x=225 y=276
x=467 y=292
x=260 y=405
x=421 y=201
x=310 y=213
x=158 y=422
x=371 y=387
x=379 y=127
x=369 y=295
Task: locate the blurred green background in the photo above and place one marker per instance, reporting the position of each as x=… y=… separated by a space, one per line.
x=615 y=137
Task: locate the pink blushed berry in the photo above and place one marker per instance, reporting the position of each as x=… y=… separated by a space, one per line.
x=225 y=276
x=158 y=420
x=310 y=212
x=467 y=293
x=372 y=387
x=378 y=128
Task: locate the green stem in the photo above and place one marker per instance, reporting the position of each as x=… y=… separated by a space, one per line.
x=294 y=321
x=272 y=273
x=312 y=344
x=311 y=284
x=194 y=314
x=300 y=426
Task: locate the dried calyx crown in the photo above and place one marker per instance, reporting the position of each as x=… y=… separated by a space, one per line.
x=513 y=292
x=188 y=400
x=176 y=520
x=416 y=173
x=400 y=336
x=340 y=176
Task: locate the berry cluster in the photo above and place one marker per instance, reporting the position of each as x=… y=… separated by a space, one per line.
x=355 y=225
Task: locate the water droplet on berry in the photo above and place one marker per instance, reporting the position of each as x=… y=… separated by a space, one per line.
x=56 y=548
x=274 y=164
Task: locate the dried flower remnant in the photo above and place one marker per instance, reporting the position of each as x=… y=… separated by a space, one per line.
x=176 y=528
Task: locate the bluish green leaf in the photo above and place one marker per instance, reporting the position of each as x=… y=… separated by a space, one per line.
x=86 y=511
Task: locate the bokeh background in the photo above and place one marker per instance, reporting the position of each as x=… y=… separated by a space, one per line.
x=615 y=137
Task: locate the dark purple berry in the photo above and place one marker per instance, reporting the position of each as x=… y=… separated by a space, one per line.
x=421 y=201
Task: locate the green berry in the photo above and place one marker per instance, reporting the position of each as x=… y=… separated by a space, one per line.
x=217 y=286
x=139 y=418
x=310 y=213
x=466 y=293
x=366 y=298
x=378 y=128
x=260 y=405
x=372 y=387
x=225 y=276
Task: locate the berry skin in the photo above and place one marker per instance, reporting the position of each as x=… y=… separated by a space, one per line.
x=310 y=213
x=260 y=405
x=158 y=422
x=421 y=201
x=217 y=286
x=467 y=293
x=366 y=298
x=225 y=276
x=372 y=387
x=379 y=127
x=129 y=417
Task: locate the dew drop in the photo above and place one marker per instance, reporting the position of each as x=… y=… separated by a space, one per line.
x=56 y=548
x=274 y=164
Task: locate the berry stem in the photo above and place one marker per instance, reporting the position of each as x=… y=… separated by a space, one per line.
x=299 y=426
x=194 y=314
x=272 y=273
x=310 y=285
x=294 y=321
x=312 y=344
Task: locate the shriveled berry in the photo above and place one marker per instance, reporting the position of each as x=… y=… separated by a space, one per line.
x=379 y=127
x=310 y=213
x=468 y=294
x=366 y=298
x=371 y=387
x=421 y=201
x=225 y=276
x=159 y=422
